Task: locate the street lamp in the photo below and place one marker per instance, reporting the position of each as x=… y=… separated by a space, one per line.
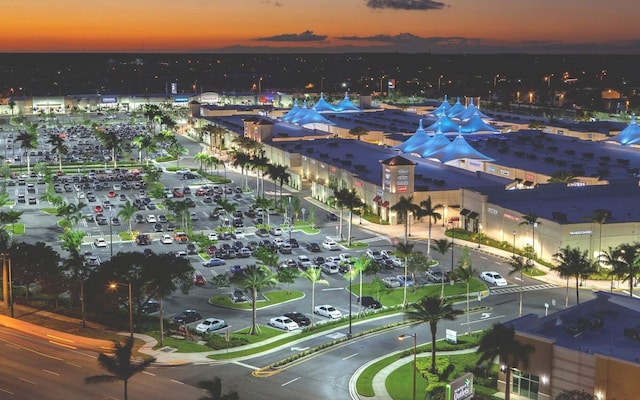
x=114 y=286
x=514 y=243
x=415 y=348
x=381 y=79
x=350 y=297
x=7 y=277
x=453 y=244
x=110 y=232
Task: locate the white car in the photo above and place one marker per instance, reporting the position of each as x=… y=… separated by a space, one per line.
x=330 y=244
x=304 y=262
x=284 y=323
x=166 y=239
x=330 y=268
x=373 y=254
x=210 y=325
x=151 y=219
x=275 y=231
x=278 y=241
x=493 y=278
x=239 y=234
x=328 y=311
x=391 y=282
x=212 y=236
x=100 y=242
x=348 y=258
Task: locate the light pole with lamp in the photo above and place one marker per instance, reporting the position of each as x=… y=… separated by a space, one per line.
x=110 y=232
x=415 y=348
x=514 y=244
x=114 y=286
x=350 y=298
x=453 y=243
x=7 y=281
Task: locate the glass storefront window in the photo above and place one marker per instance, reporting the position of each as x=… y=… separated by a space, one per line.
x=524 y=384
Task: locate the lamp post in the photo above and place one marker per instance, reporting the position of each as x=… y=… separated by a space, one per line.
x=381 y=79
x=415 y=348
x=7 y=280
x=110 y=232
x=350 y=298
x=114 y=286
x=453 y=244
x=514 y=243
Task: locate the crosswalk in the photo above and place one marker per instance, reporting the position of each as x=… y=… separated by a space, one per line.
x=374 y=239
x=516 y=289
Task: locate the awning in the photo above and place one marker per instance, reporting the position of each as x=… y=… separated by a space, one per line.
x=464 y=212
x=518 y=180
x=377 y=199
x=528 y=183
x=473 y=215
x=385 y=204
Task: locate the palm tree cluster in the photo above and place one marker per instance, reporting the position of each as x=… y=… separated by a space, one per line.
x=574 y=263
x=624 y=263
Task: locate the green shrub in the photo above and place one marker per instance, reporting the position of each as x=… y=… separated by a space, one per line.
x=219 y=342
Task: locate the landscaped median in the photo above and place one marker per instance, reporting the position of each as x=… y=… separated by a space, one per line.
x=270 y=299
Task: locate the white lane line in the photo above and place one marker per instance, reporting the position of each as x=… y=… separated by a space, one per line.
x=74 y=365
x=348 y=357
x=291 y=381
x=148 y=373
x=245 y=365
x=332 y=289
x=483 y=320
x=28 y=381
x=178 y=382
x=51 y=372
x=6 y=391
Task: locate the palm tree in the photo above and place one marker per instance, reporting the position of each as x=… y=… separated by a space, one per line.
x=177 y=150
x=500 y=342
x=627 y=263
x=432 y=309
x=28 y=141
x=358 y=131
x=58 y=147
x=519 y=264
x=111 y=142
x=465 y=272
x=288 y=276
x=127 y=211
x=403 y=207
x=600 y=216
x=314 y=275
x=431 y=212
x=202 y=157
x=404 y=250
x=119 y=365
x=214 y=387
x=350 y=200
x=256 y=278
x=531 y=219
x=241 y=160
x=359 y=267
x=574 y=263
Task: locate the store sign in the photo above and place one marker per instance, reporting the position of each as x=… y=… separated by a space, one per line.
x=109 y=100
x=181 y=99
x=461 y=388
x=511 y=217
x=492 y=211
x=580 y=233
x=504 y=172
x=451 y=335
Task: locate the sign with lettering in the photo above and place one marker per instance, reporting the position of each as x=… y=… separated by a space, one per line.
x=461 y=388
x=580 y=233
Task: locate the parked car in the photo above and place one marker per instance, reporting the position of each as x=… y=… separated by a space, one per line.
x=166 y=239
x=209 y=325
x=275 y=231
x=391 y=282
x=493 y=278
x=328 y=311
x=330 y=268
x=313 y=247
x=369 y=302
x=243 y=253
x=405 y=282
x=100 y=242
x=373 y=254
x=284 y=323
x=186 y=317
x=151 y=219
x=293 y=242
x=238 y=296
x=330 y=244
x=285 y=248
x=150 y=306
x=435 y=275
x=298 y=318
x=304 y=262
x=198 y=279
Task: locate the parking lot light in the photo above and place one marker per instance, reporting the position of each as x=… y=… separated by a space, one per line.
x=114 y=286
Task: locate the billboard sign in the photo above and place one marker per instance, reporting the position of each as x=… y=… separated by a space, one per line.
x=461 y=388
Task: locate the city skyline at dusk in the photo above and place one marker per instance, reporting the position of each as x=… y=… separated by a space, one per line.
x=250 y=26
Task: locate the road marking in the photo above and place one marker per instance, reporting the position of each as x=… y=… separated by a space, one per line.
x=291 y=381
x=336 y=335
x=74 y=365
x=178 y=382
x=332 y=289
x=348 y=357
x=483 y=319
x=299 y=348
x=246 y=365
x=6 y=391
x=485 y=315
x=28 y=381
x=51 y=372
x=148 y=373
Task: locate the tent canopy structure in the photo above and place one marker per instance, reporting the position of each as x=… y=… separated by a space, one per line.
x=629 y=135
x=443 y=124
x=419 y=138
x=310 y=117
x=470 y=111
x=437 y=142
x=455 y=109
x=346 y=105
x=442 y=108
x=323 y=105
x=292 y=113
x=458 y=149
x=476 y=124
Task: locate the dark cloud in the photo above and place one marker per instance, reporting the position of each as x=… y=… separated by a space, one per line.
x=306 y=36
x=406 y=4
x=409 y=39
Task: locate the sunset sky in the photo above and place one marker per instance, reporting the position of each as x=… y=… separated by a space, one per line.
x=449 y=26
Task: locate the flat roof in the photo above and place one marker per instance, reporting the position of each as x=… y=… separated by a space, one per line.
x=595 y=326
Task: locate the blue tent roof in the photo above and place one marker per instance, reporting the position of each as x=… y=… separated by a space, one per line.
x=292 y=113
x=300 y=115
x=312 y=116
x=419 y=138
x=443 y=124
x=346 y=105
x=456 y=109
x=630 y=134
x=470 y=110
x=458 y=149
x=437 y=142
x=476 y=124
x=442 y=108
x=323 y=105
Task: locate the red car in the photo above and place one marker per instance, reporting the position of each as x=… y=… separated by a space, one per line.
x=198 y=279
x=177 y=193
x=98 y=209
x=111 y=194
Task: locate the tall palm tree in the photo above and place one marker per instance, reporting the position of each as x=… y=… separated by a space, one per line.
x=119 y=365
x=58 y=147
x=214 y=387
x=626 y=265
x=350 y=200
x=404 y=207
x=531 y=219
x=358 y=131
x=127 y=211
x=518 y=265
x=201 y=157
x=359 y=267
x=465 y=272
x=177 y=150
x=241 y=160
x=28 y=141
x=500 y=342
x=432 y=309
x=111 y=142
x=405 y=250
x=256 y=278
x=431 y=212
x=599 y=217
x=314 y=275
x=574 y=263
